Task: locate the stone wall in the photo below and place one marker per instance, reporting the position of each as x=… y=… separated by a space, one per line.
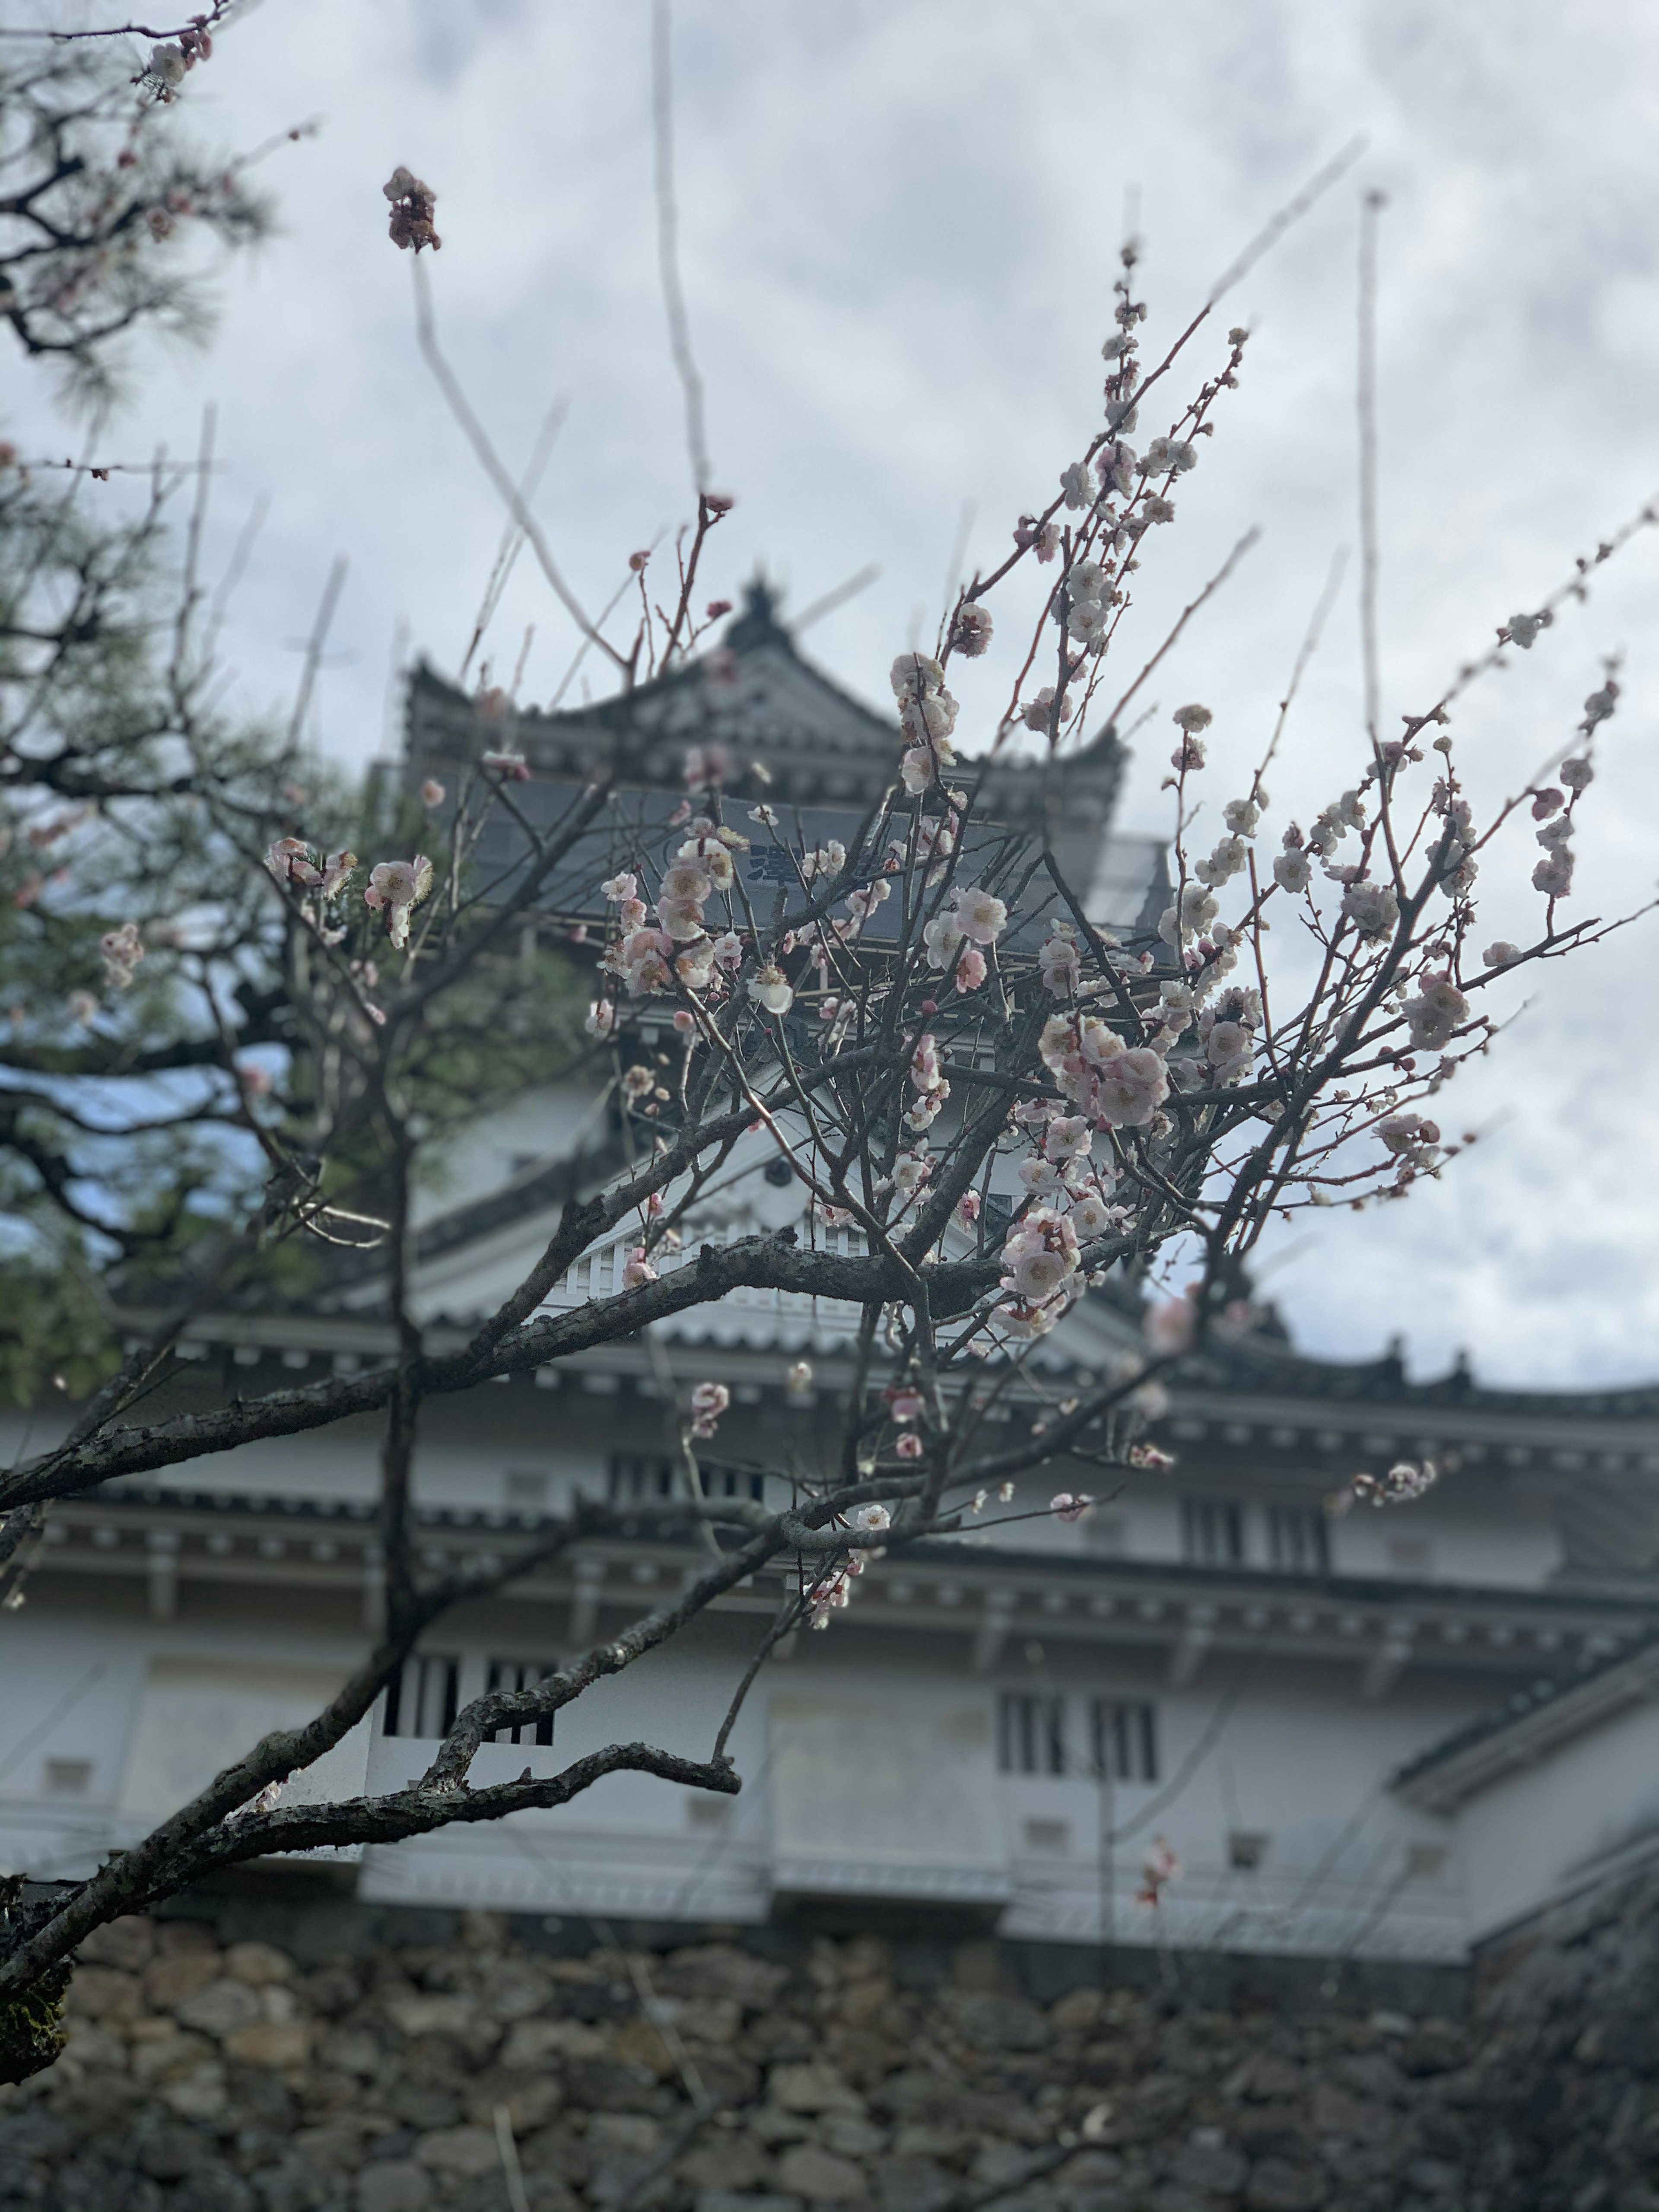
x=253 y=2054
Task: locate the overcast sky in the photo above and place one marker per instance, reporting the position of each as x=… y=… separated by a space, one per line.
x=899 y=223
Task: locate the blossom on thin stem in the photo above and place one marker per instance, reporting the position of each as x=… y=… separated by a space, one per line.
x=395 y=888
x=709 y=1401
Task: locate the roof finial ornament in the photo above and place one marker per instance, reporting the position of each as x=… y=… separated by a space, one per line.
x=758 y=624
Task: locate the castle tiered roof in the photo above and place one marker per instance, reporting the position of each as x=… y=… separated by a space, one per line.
x=785 y=733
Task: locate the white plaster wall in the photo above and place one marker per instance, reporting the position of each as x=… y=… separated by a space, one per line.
x=544 y=1124
x=1289 y=1753
x=1479 y=1529
x=71 y=1684
x=1536 y=1831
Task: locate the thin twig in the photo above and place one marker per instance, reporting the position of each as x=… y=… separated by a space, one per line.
x=478 y=438
x=1366 y=398
x=511 y=537
x=860 y=580
x=1186 y=614
x=679 y=327
x=314 y=646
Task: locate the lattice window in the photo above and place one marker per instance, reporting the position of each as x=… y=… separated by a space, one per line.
x=1031 y=1733
x=521 y=1674
x=422 y=1696
x=1126 y=1740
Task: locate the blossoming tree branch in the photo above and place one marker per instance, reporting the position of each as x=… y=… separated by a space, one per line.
x=985 y=1103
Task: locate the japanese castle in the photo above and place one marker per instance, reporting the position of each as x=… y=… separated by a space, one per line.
x=1349 y=1729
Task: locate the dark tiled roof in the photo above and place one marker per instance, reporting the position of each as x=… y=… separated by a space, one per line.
x=1535 y=1698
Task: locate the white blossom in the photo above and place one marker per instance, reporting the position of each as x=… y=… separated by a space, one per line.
x=942 y=936
x=1039 y=713
x=826 y=859
x=970 y=634
x=1078 y=485
x=1228 y=1048
x=916 y=675
x=1087 y=621
x=979 y=915
x=930 y=720
x=1373 y=908
x=1553 y=874
x=1067 y=1137
x=1059 y=963
x=1197 y=911
x=1040 y=1258
x=768 y=987
x=1090 y=1215
x=1165 y=455
x=1410 y=1137
x=1223 y=863
x=1435 y=1013
x=395 y=888
x=917 y=769
x=1038 y=1176
x=1129 y=1090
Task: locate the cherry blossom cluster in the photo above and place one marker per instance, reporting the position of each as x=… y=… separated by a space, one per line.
x=1113 y=1084
x=1040 y=1279
x=394 y=890
x=291 y=860
x=682 y=947
x=928 y=715
x=959 y=937
x=831 y=1592
x=172 y=59
x=1406 y=1481
x=928 y=1081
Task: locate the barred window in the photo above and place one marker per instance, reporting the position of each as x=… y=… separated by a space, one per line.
x=1298 y=1538
x=645 y=1479
x=636 y=1480
x=731 y=1482
x=422 y=1697
x=521 y=1674
x=1126 y=1740
x=1031 y=1734
x=1212 y=1532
